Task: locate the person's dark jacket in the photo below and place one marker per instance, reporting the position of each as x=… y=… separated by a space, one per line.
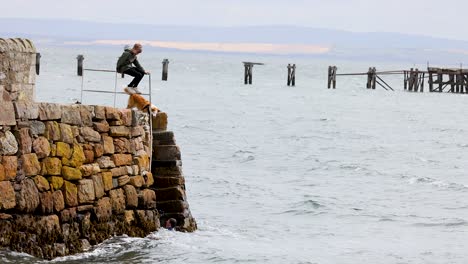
x=126 y=60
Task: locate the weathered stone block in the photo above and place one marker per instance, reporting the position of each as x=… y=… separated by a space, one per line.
x=70 y=194
x=71 y=115
x=126 y=115
x=137 y=131
x=105 y=162
x=31 y=165
x=24 y=140
x=37 y=128
x=68 y=215
x=142 y=162
x=48 y=111
x=86 y=192
x=172 y=206
x=165 y=182
x=90 y=169
x=148 y=179
x=7 y=196
x=41 y=183
x=51 y=166
x=52 y=131
x=98 y=186
x=107 y=180
x=99 y=112
x=46 y=203
x=49 y=226
x=41 y=147
x=123 y=180
x=163 y=138
x=103 y=209
x=131 y=196
x=136 y=144
x=172 y=193
x=117 y=200
x=8 y=144
x=89 y=156
x=170 y=171
x=2 y=172
x=66 y=133
x=26 y=110
x=77 y=158
x=7 y=115
x=119 y=131
x=129 y=217
x=71 y=174
x=56 y=182
x=98 y=150
x=160 y=121
x=101 y=127
x=137 y=181
x=63 y=150
x=166 y=152
x=90 y=135
x=59 y=201
x=122 y=145
x=85 y=208
x=112 y=113
x=115 y=122
x=136 y=169
x=28 y=197
x=122 y=159
x=119 y=171
x=108 y=144
x=87 y=113
x=10 y=164
x=147 y=199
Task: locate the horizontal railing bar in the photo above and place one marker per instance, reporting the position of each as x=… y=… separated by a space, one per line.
x=111 y=92
x=97 y=70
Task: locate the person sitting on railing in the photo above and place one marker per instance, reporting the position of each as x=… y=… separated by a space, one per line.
x=125 y=65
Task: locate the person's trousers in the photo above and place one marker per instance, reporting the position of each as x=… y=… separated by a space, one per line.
x=137 y=74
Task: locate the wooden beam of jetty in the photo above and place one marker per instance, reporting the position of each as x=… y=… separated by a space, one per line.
x=451 y=80
x=248 y=71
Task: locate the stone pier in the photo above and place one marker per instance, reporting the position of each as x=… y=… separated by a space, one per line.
x=72 y=176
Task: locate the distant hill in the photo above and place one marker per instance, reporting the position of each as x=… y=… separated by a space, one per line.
x=343 y=44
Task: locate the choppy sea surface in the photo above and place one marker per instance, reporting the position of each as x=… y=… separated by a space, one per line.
x=279 y=174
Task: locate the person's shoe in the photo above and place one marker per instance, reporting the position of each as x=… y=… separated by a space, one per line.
x=129 y=90
x=136 y=90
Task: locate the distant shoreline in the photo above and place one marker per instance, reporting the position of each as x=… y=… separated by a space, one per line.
x=262 y=48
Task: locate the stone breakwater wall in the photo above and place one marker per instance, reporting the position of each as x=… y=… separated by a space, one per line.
x=72 y=176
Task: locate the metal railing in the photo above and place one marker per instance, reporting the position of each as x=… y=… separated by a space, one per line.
x=115 y=92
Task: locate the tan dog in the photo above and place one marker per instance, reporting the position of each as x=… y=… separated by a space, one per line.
x=138 y=101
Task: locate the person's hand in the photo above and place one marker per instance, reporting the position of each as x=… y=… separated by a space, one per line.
x=147 y=72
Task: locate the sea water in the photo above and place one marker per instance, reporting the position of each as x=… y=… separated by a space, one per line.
x=278 y=174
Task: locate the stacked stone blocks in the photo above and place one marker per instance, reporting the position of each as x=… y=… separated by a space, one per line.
x=72 y=176
x=79 y=169
x=169 y=180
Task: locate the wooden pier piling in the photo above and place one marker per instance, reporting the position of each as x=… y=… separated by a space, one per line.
x=165 y=69
x=248 y=66
x=80 y=59
x=371 y=78
x=457 y=80
x=332 y=76
x=38 y=63
x=292 y=75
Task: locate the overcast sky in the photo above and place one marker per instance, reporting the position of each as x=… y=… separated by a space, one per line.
x=428 y=17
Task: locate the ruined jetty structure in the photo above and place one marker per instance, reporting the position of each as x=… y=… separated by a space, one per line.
x=450 y=80
x=72 y=176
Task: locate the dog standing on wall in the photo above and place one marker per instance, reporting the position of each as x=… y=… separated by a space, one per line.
x=138 y=101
